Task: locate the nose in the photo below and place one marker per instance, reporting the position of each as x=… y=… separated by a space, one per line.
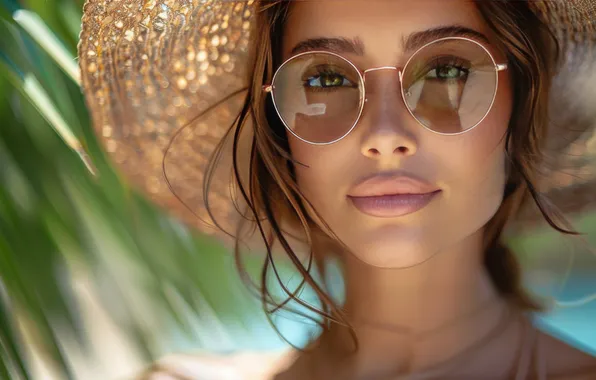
x=387 y=130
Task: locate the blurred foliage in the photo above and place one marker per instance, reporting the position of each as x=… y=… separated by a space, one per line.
x=57 y=219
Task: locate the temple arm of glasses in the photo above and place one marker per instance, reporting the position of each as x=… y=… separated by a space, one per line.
x=267 y=88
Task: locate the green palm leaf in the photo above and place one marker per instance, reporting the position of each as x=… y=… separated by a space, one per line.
x=59 y=221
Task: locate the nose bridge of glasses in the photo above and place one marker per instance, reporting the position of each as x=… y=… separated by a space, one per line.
x=394 y=68
x=376 y=85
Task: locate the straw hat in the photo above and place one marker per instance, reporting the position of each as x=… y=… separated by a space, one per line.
x=149 y=67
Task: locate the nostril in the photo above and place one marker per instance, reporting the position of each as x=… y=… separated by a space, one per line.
x=402 y=149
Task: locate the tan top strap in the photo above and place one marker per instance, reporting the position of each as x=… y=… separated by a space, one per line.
x=540 y=361
x=524 y=365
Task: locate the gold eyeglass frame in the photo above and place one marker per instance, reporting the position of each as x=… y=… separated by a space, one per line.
x=270 y=88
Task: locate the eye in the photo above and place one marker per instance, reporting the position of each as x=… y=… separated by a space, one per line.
x=447 y=68
x=328 y=76
x=447 y=72
x=326 y=80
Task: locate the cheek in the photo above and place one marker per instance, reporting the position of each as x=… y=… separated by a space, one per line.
x=472 y=169
x=323 y=173
x=478 y=150
x=316 y=166
x=480 y=153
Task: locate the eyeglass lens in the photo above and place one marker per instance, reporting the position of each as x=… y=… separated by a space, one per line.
x=448 y=86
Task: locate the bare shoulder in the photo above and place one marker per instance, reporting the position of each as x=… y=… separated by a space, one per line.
x=210 y=366
x=565 y=362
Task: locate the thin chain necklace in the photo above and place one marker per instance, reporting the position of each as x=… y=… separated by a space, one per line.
x=433 y=330
x=442 y=368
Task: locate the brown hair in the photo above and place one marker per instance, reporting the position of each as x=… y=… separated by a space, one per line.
x=532 y=51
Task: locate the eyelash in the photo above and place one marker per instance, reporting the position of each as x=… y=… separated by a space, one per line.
x=320 y=71
x=434 y=64
x=449 y=61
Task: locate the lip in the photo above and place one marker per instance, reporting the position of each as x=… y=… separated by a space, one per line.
x=389 y=206
x=392 y=194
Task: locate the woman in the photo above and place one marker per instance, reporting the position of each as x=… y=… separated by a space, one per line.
x=396 y=137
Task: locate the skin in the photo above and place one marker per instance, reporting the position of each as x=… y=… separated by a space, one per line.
x=468 y=168
x=396 y=265
x=417 y=273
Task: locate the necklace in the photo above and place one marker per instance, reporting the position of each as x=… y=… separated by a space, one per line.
x=444 y=367
x=421 y=335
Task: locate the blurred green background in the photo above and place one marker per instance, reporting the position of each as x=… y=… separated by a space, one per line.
x=94 y=281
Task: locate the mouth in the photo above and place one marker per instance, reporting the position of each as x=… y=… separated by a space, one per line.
x=393 y=205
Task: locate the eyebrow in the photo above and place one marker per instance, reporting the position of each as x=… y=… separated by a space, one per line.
x=410 y=43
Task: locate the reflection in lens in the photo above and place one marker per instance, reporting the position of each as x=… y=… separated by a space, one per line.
x=449 y=86
x=318 y=96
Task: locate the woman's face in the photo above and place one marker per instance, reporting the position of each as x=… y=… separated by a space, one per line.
x=468 y=169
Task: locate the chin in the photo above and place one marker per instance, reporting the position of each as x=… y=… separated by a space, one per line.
x=394 y=248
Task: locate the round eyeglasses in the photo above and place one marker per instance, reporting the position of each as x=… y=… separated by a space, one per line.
x=448 y=85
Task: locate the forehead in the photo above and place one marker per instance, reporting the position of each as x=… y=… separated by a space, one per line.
x=381 y=25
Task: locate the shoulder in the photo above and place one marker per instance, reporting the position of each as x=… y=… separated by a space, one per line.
x=210 y=366
x=565 y=362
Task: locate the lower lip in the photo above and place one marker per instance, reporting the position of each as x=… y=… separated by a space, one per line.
x=388 y=206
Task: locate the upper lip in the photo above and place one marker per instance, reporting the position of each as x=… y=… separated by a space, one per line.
x=391 y=183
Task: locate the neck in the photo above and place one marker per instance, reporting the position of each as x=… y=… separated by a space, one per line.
x=406 y=320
